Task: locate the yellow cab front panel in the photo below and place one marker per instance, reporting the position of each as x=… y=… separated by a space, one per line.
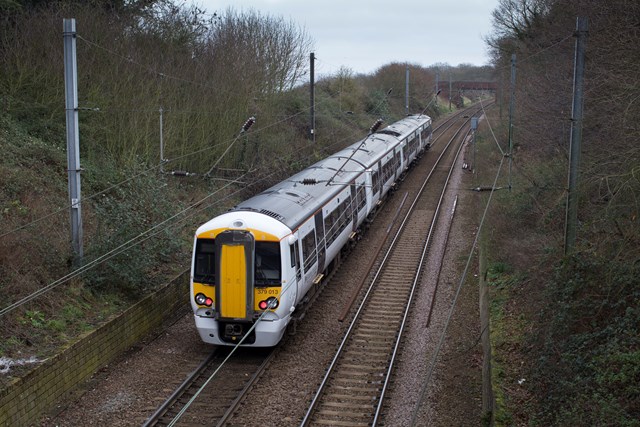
x=234 y=283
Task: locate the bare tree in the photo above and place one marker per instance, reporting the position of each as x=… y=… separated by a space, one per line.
x=266 y=53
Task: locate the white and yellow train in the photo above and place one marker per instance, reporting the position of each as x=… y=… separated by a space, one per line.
x=254 y=264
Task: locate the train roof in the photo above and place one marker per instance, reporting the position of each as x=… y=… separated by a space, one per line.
x=306 y=192
x=405 y=126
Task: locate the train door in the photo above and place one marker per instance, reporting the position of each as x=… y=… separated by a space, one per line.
x=378 y=184
x=309 y=260
x=405 y=154
x=295 y=260
x=320 y=241
x=360 y=200
x=354 y=207
x=234 y=251
x=426 y=136
x=296 y=265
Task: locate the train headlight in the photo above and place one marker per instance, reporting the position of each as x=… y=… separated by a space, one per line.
x=202 y=299
x=270 y=303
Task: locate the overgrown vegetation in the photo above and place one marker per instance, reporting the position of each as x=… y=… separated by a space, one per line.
x=143 y=66
x=579 y=354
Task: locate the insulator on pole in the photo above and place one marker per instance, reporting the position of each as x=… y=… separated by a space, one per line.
x=250 y=121
x=376 y=126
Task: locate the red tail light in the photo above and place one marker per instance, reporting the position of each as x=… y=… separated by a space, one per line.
x=202 y=299
x=269 y=303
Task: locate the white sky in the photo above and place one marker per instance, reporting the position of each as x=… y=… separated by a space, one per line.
x=363 y=35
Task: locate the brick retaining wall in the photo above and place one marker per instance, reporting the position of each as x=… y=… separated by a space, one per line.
x=25 y=401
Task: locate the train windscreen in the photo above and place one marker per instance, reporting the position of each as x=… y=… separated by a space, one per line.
x=205 y=265
x=267 y=264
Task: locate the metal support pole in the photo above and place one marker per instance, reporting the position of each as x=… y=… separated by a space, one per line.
x=312 y=89
x=406 y=91
x=73 y=139
x=161 y=142
x=512 y=103
x=437 y=86
x=450 y=91
x=576 y=136
x=500 y=93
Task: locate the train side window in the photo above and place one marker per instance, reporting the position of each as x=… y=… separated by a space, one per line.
x=292 y=255
x=387 y=170
x=374 y=182
x=412 y=144
x=426 y=132
x=361 y=198
x=205 y=263
x=309 y=253
x=348 y=212
x=329 y=222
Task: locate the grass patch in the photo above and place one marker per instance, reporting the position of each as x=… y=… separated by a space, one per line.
x=507 y=336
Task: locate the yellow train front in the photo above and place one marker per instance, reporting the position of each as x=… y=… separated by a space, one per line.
x=237 y=275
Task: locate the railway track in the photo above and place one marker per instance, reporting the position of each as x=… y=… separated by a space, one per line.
x=213 y=393
x=352 y=391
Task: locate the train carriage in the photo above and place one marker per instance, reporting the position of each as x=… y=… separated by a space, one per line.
x=260 y=259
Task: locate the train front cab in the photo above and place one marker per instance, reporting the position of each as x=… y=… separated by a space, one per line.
x=235 y=279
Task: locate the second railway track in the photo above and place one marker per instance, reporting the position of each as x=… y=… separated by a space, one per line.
x=352 y=392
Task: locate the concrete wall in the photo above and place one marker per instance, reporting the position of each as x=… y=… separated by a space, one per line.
x=28 y=398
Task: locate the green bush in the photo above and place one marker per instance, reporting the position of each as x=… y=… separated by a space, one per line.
x=590 y=367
